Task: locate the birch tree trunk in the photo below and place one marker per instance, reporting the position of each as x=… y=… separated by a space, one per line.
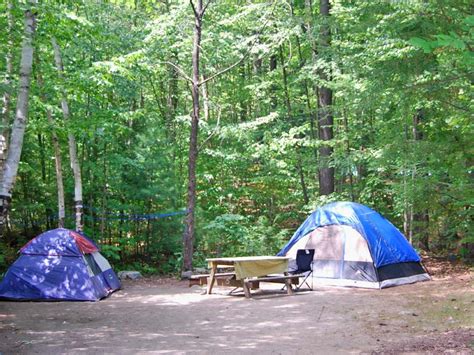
x=59 y=172
x=57 y=159
x=19 y=125
x=5 y=129
x=188 y=236
x=71 y=142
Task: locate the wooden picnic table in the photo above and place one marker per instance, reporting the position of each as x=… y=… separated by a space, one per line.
x=252 y=269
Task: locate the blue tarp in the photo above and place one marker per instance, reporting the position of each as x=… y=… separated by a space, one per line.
x=386 y=243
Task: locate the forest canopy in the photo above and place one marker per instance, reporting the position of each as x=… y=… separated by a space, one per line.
x=232 y=120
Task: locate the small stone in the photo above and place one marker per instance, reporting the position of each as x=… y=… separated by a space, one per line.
x=132 y=275
x=186 y=274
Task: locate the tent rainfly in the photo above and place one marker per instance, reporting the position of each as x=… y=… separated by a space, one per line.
x=355 y=246
x=59 y=264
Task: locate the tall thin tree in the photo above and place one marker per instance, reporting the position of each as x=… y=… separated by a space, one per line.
x=71 y=140
x=5 y=129
x=57 y=152
x=21 y=117
x=199 y=10
x=188 y=236
x=325 y=114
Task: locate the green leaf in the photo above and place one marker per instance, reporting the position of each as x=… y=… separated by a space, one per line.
x=421 y=43
x=469 y=20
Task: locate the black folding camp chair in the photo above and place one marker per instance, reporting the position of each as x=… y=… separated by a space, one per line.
x=304 y=263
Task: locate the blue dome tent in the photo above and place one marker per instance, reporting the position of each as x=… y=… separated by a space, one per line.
x=59 y=264
x=355 y=246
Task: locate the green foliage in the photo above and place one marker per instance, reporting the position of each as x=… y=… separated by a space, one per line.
x=7 y=257
x=236 y=235
x=258 y=162
x=111 y=252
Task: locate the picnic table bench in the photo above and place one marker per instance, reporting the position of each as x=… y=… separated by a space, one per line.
x=221 y=279
x=287 y=280
x=250 y=272
x=228 y=279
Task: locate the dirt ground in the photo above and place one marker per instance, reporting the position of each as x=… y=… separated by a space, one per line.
x=166 y=316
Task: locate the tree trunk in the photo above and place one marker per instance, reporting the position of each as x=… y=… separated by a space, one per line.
x=57 y=157
x=273 y=87
x=19 y=125
x=205 y=99
x=71 y=141
x=299 y=166
x=305 y=26
x=188 y=236
x=348 y=154
x=325 y=116
x=420 y=219
x=5 y=129
x=59 y=172
x=407 y=208
x=285 y=83
x=256 y=71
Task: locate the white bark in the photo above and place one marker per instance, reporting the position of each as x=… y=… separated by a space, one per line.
x=21 y=117
x=5 y=129
x=71 y=141
x=59 y=172
x=58 y=160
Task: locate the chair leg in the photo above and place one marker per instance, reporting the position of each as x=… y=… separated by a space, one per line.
x=304 y=282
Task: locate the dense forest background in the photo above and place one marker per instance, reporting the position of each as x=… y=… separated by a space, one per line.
x=399 y=74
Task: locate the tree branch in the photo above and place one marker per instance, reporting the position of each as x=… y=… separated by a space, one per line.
x=224 y=70
x=196 y=14
x=179 y=71
x=205 y=7
x=244 y=56
x=213 y=132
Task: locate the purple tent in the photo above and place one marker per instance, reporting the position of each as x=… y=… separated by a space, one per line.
x=59 y=264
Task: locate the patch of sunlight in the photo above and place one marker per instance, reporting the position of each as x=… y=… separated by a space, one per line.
x=234 y=328
x=205 y=322
x=46 y=332
x=37 y=279
x=169 y=299
x=288 y=306
x=148 y=336
x=66 y=284
x=295 y=320
x=269 y=324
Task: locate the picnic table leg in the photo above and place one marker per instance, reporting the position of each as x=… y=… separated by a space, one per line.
x=288 y=286
x=246 y=288
x=212 y=278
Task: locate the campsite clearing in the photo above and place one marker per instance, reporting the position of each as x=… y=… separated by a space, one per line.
x=164 y=315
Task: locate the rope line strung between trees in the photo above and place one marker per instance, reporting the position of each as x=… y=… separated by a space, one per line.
x=137 y=217
x=116 y=216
